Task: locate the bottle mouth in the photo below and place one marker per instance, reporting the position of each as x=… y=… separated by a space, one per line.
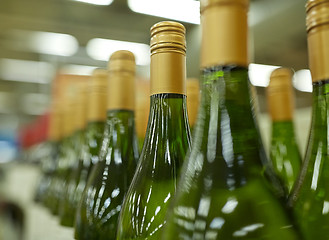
x=122 y=61
x=317 y=12
x=209 y=3
x=168 y=36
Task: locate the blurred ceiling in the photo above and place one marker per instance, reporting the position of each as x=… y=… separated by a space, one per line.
x=277 y=34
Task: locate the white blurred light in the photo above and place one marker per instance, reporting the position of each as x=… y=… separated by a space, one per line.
x=77 y=69
x=26 y=71
x=96 y=2
x=102 y=49
x=44 y=42
x=180 y=10
x=302 y=80
x=54 y=43
x=259 y=74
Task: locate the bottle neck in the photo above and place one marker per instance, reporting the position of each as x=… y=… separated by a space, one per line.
x=119 y=134
x=283 y=129
x=168 y=124
x=320 y=112
x=226 y=131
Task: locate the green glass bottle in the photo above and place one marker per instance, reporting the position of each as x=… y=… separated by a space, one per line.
x=310 y=196
x=224 y=192
x=100 y=205
x=167 y=139
x=66 y=152
x=88 y=156
x=67 y=202
x=284 y=151
x=49 y=162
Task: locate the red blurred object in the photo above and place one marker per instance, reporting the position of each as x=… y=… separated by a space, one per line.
x=35 y=132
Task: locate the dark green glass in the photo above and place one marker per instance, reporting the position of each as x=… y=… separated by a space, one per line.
x=223 y=192
x=100 y=205
x=88 y=157
x=310 y=197
x=166 y=144
x=284 y=152
x=48 y=169
x=61 y=173
x=67 y=205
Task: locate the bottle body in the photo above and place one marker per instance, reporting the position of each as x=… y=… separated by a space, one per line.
x=166 y=144
x=223 y=192
x=309 y=198
x=100 y=205
x=284 y=152
x=69 y=202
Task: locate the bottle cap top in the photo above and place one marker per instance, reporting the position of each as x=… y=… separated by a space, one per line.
x=280 y=95
x=168 y=36
x=122 y=61
x=317 y=13
x=121 y=84
x=280 y=80
x=208 y=3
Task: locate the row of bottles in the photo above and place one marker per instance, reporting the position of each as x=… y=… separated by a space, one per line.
x=221 y=185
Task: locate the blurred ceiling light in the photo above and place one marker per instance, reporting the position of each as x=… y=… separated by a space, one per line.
x=96 y=2
x=102 y=49
x=302 y=80
x=54 y=43
x=77 y=69
x=259 y=74
x=44 y=42
x=180 y=10
x=26 y=71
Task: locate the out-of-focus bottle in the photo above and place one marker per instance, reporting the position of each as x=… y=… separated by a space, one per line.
x=68 y=202
x=101 y=202
x=310 y=196
x=284 y=151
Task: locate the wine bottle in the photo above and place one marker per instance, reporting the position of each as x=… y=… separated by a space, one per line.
x=310 y=199
x=88 y=156
x=223 y=192
x=67 y=203
x=284 y=151
x=63 y=161
x=49 y=162
x=167 y=138
x=100 y=205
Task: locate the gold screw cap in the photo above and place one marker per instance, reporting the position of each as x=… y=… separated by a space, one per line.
x=317 y=13
x=168 y=36
x=122 y=61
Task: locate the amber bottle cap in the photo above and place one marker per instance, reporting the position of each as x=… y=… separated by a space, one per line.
x=122 y=61
x=280 y=95
x=168 y=58
x=193 y=99
x=224 y=33
x=317 y=13
x=121 y=81
x=97 y=96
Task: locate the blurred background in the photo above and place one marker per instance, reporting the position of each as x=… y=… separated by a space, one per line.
x=42 y=39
